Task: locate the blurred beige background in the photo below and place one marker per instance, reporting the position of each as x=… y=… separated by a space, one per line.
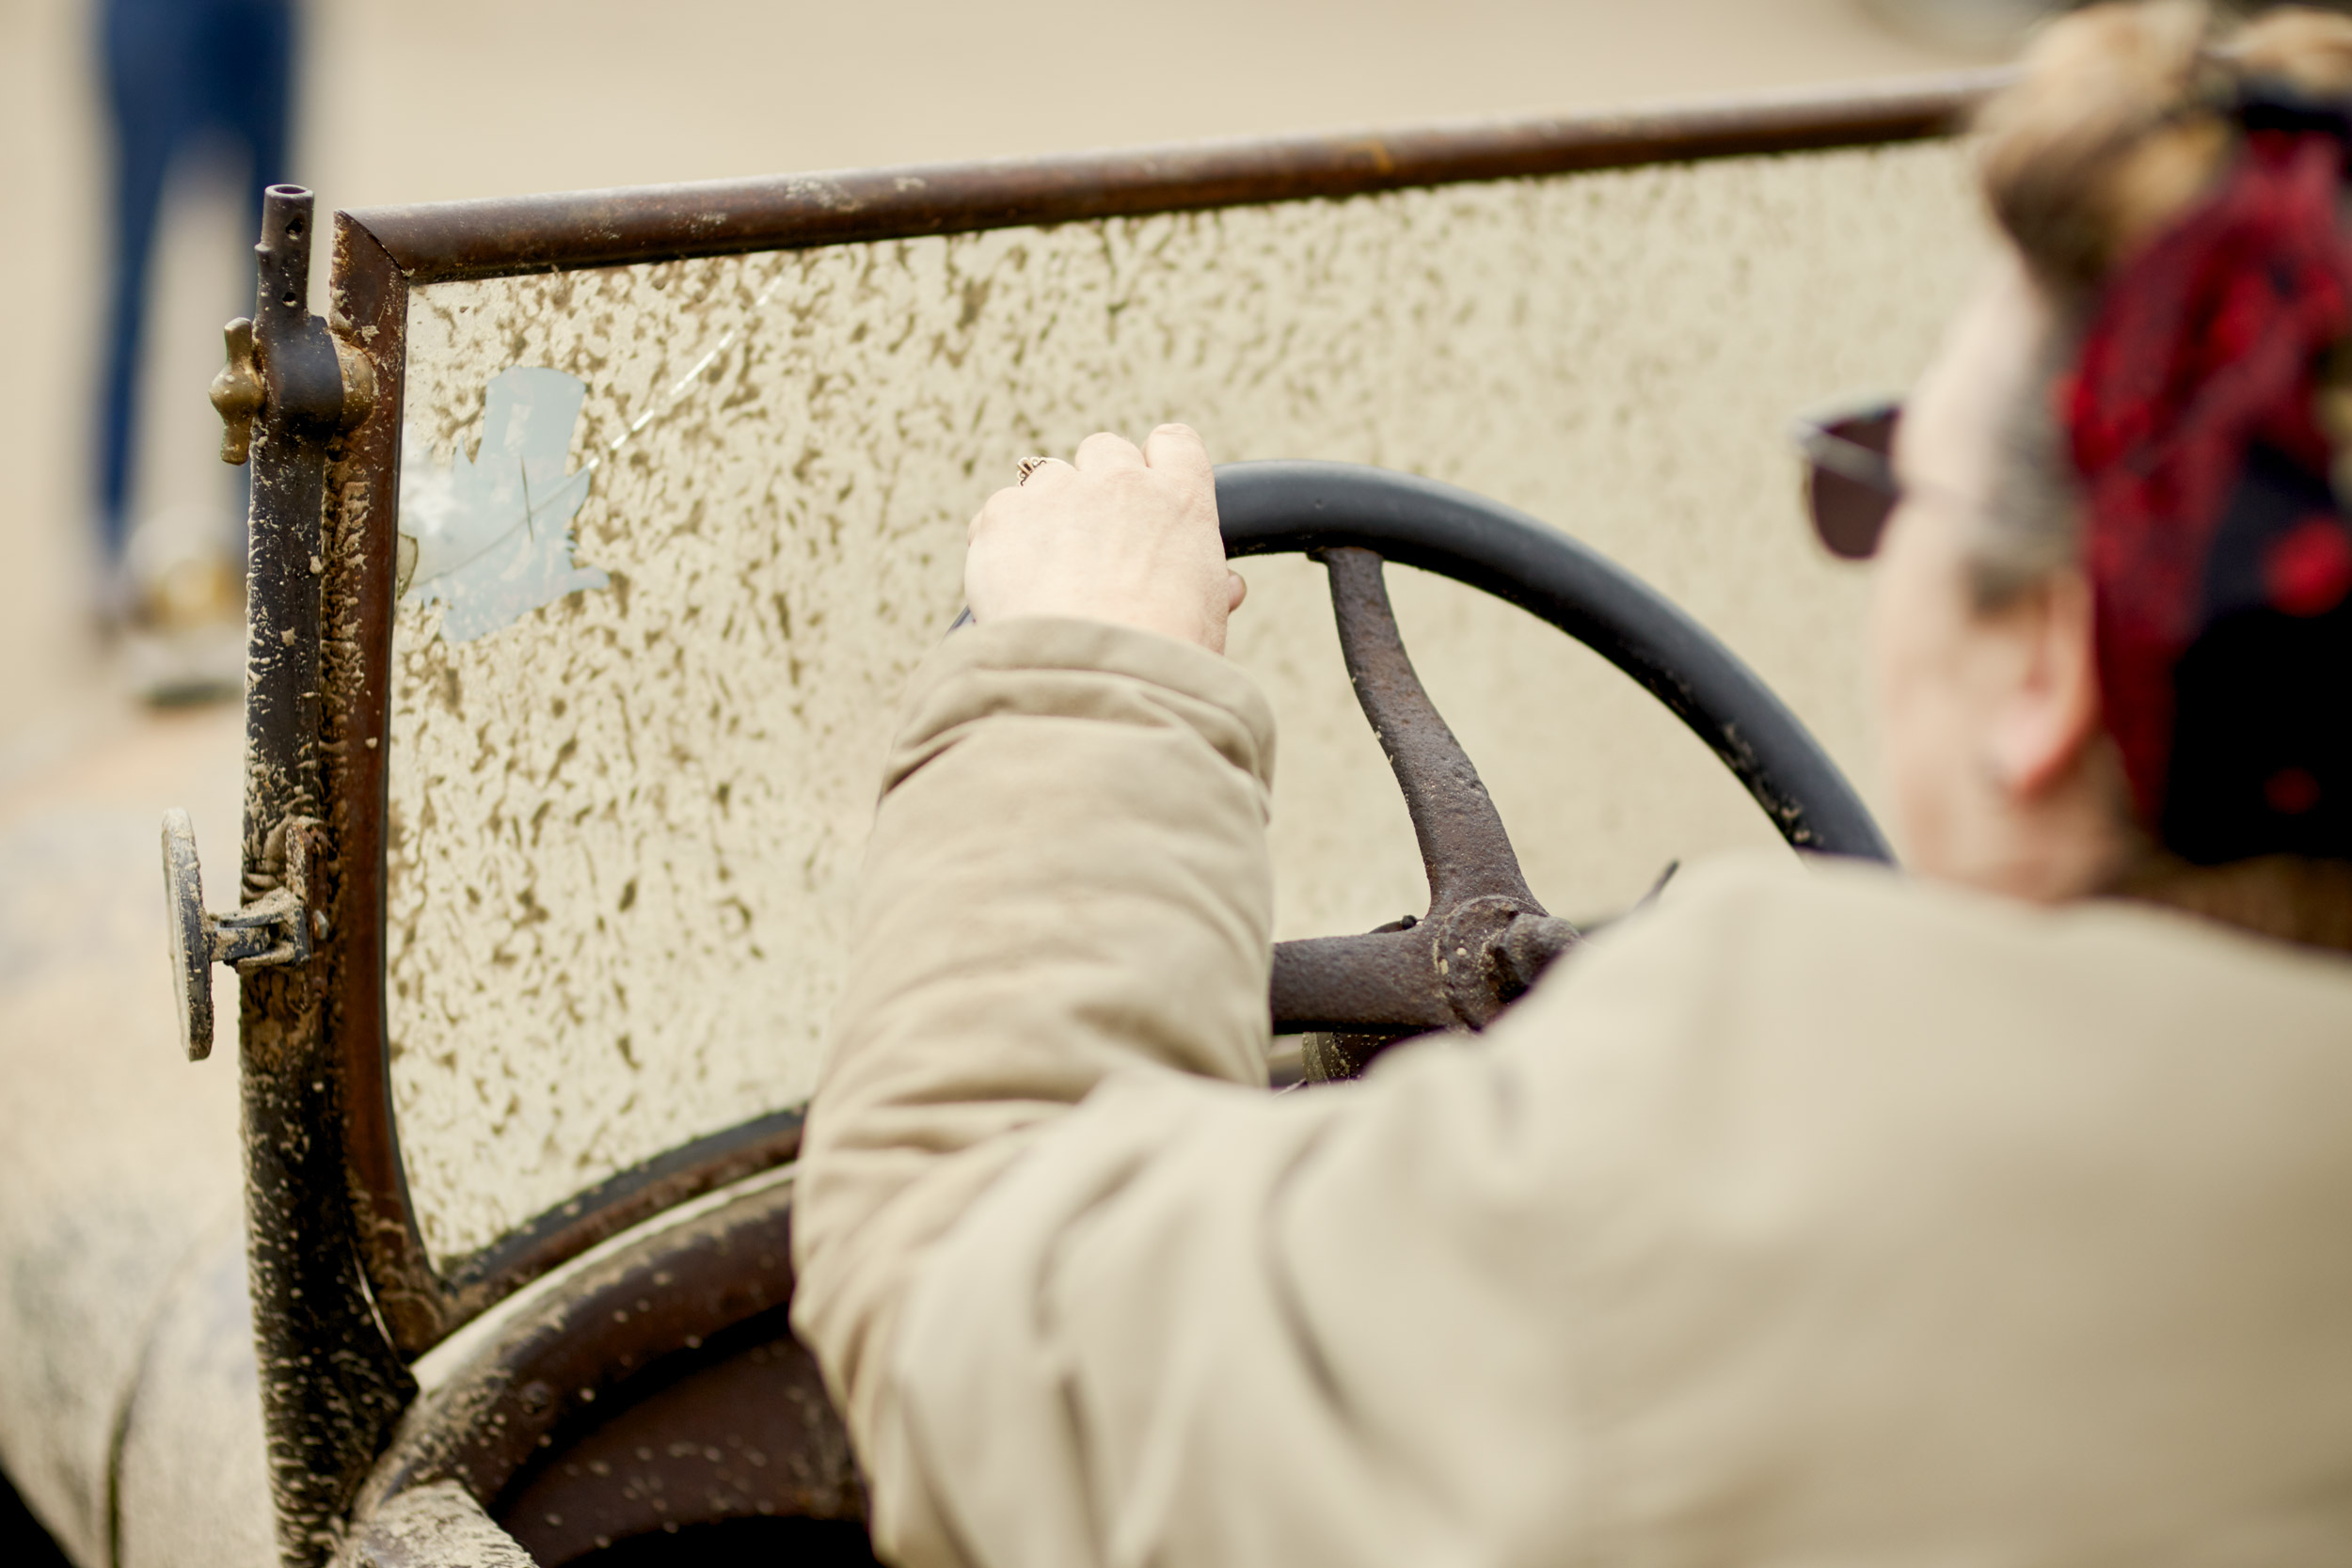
x=425 y=100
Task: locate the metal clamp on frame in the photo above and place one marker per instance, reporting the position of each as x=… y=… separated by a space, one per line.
x=273 y=930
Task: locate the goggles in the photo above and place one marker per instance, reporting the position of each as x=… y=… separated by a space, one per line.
x=1850 y=484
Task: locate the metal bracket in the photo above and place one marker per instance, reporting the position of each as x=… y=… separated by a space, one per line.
x=275 y=931
x=241 y=389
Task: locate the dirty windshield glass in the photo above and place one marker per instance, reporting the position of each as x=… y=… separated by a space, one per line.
x=672 y=536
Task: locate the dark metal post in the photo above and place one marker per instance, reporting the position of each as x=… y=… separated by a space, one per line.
x=331 y=1383
x=302 y=407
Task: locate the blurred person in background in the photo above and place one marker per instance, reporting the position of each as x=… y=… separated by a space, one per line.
x=1992 y=1213
x=185 y=80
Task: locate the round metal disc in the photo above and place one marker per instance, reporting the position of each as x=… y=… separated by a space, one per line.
x=183 y=922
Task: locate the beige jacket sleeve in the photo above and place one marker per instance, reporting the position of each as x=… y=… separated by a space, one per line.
x=1814 y=1217
x=1068 y=876
x=1176 y=1324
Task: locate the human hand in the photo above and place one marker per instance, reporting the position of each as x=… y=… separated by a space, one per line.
x=1122 y=535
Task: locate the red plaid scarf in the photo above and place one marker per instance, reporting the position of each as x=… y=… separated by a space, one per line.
x=2201 y=362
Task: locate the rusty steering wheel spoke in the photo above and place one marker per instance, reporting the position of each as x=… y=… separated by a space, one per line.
x=1375 y=983
x=1485 y=937
x=1463 y=847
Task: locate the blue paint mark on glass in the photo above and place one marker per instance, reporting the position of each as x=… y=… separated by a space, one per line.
x=492 y=534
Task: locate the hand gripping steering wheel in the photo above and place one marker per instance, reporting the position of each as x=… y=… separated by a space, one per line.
x=1485 y=938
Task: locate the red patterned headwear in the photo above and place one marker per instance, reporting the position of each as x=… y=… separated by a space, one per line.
x=2219 y=559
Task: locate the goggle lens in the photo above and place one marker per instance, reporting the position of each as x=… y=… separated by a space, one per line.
x=1850 y=479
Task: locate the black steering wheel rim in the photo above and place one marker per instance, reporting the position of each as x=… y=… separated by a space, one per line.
x=1271 y=507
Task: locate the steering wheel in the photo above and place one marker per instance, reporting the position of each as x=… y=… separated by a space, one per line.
x=1486 y=939
x=699 y=1413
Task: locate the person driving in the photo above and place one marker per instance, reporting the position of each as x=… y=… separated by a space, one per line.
x=1995 y=1212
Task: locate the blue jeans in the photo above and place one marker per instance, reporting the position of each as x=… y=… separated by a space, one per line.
x=179 y=73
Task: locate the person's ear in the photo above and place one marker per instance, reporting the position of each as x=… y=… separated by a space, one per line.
x=2048 y=712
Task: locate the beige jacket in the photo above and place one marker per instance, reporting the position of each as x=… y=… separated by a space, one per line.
x=1816 y=1218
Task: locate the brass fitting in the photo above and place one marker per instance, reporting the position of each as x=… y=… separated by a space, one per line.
x=237 y=393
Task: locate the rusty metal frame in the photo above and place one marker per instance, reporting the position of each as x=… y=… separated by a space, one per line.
x=381 y=253
x=331 y=1383
x=595 y=229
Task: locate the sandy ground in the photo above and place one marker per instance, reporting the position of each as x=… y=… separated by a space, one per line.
x=420 y=100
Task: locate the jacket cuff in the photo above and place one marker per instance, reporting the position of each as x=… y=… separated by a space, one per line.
x=1055 y=667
